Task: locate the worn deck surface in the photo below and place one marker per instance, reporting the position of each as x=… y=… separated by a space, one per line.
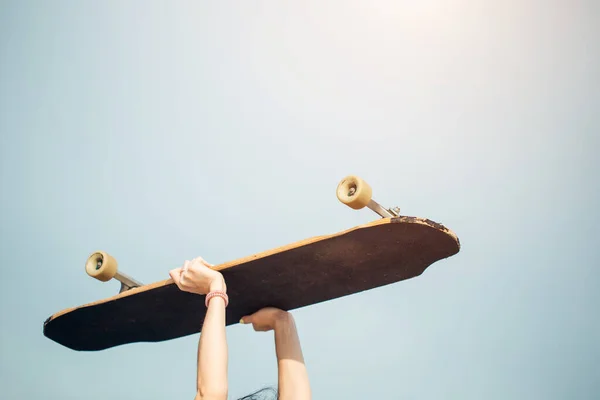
x=300 y=274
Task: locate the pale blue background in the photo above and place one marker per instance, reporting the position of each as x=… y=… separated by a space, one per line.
x=161 y=131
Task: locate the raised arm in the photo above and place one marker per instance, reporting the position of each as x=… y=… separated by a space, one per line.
x=293 y=376
x=197 y=277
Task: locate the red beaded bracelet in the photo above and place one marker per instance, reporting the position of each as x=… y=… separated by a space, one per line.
x=217 y=293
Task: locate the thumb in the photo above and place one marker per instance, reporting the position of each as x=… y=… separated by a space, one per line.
x=175 y=274
x=246 y=319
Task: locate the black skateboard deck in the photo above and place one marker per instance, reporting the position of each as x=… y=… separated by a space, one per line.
x=300 y=274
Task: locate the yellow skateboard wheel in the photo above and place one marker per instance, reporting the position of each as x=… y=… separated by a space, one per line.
x=354 y=192
x=101 y=265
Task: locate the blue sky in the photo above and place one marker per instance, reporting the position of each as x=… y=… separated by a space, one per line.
x=161 y=132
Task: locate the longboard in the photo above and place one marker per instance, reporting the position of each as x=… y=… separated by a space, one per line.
x=311 y=271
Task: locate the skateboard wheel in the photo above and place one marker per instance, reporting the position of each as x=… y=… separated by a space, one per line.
x=101 y=265
x=354 y=192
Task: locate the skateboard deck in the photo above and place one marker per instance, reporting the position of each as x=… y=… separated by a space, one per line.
x=300 y=274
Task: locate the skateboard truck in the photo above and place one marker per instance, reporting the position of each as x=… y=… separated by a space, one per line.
x=103 y=266
x=356 y=194
x=127 y=282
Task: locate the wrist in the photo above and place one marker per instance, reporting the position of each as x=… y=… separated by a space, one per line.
x=217 y=285
x=283 y=319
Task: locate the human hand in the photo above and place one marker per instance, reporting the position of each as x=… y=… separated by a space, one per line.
x=196 y=276
x=266 y=319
